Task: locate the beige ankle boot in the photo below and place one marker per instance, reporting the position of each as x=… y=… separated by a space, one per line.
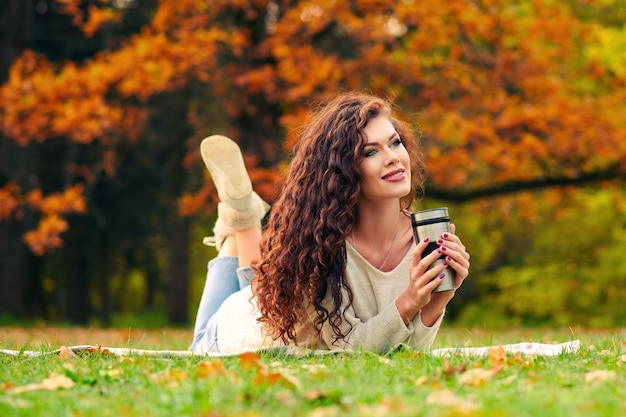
x=229 y=220
x=222 y=157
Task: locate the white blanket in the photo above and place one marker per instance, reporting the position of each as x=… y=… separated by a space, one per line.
x=540 y=349
x=527 y=348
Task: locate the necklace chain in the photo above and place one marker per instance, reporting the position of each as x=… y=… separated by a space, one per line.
x=388 y=252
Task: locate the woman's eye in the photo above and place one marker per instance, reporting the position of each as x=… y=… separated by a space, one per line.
x=369 y=153
x=396 y=143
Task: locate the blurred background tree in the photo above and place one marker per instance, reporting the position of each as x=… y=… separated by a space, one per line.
x=104 y=199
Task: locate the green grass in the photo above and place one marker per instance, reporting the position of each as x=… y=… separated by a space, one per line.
x=591 y=382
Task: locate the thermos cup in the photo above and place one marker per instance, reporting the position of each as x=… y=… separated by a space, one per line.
x=432 y=224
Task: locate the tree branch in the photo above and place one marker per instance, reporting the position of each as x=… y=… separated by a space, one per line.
x=511 y=187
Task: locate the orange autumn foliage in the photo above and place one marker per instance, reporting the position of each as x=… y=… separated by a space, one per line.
x=495 y=85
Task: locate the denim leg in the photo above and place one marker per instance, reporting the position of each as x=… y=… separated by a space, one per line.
x=222 y=280
x=244 y=276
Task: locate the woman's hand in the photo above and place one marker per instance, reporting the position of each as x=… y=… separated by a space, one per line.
x=423 y=279
x=456 y=255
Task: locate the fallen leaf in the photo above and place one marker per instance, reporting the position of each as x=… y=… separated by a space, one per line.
x=318 y=370
x=111 y=373
x=7 y=386
x=98 y=350
x=208 y=369
x=387 y=407
x=447 y=398
x=509 y=380
x=313 y=394
x=600 y=375
x=53 y=382
x=477 y=377
x=329 y=411
x=250 y=360
x=497 y=355
x=56 y=381
x=286 y=398
x=386 y=361
x=422 y=380
x=66 y=353
x=276 y=378
x=449 y=369
x=170 y=377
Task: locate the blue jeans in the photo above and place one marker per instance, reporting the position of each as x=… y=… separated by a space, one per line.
x=224 y=277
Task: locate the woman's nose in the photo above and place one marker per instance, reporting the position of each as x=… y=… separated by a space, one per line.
x=391 y=157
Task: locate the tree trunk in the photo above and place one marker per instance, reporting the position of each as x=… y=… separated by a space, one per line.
x=103 y=273
x=13 y=274
x=73 y=302
x=177 y=291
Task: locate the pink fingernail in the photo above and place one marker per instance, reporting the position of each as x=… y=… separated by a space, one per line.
x=442 y=276
x=426 y=239
x=445 y=235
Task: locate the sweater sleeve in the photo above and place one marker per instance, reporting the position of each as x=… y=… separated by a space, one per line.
x=381 y=332
x=423 y=336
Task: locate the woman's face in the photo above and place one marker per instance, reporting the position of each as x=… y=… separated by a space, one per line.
x=386 y=167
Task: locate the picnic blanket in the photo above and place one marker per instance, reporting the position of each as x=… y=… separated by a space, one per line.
x=528 y=348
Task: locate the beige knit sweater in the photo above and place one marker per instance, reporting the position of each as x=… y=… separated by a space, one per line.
x=376 y=323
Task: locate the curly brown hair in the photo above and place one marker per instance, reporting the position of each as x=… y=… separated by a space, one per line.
x=303 y=247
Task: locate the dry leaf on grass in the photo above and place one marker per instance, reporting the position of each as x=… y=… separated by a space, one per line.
x=422 y=380
x=497 y=355
x=53 y=382
x=600 y=375
x=447 y=398
x=317 y=370
x=208 y=369
x=251 y=361
x=477 y=377
x=66 y=353
x=387 y=407
x=327 y=411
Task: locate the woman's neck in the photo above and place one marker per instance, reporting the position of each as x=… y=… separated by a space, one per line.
x=382 y=235
x=378 y=220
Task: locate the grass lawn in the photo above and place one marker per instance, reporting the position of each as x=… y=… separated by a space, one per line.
x=590 y=382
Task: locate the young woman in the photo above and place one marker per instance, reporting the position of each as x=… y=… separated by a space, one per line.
x=336 y=267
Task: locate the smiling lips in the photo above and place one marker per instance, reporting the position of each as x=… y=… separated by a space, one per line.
x=396 y=175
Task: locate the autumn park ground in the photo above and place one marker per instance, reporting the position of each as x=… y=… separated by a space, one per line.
x=590 y=382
